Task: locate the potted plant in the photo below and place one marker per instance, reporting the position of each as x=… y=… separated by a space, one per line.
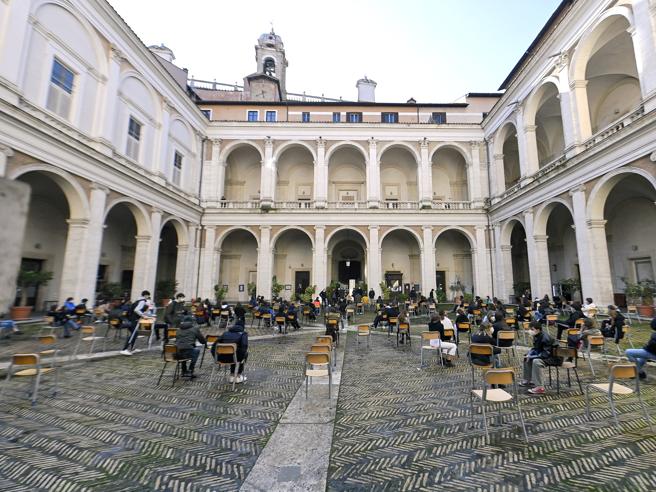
x=308 y=295
x=276 y=287
x=647 y=290
x=111 y=291
x=385 y=291
x=165 y=290
x=25 y=280
x=219 y=293
x=252 y=289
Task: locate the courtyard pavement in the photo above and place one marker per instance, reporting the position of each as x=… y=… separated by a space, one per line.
x=389 y=426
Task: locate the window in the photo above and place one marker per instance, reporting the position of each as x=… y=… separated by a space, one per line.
x=306 y=117
x=177 y=168
x=134 y=136
x=438 y=118
x=389 y=117
x=643 y=269
x=337 y=117
x=253 y=115
x=354 y=117
x=207 y=113
x=61 y=89
x=271 y=116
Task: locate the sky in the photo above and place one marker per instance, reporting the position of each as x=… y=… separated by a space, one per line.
x=432 y=50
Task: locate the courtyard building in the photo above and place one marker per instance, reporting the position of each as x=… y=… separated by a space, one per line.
x=141 y=174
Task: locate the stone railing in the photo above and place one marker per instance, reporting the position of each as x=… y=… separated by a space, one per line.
x=451 y=205
x=347 y=205
x=614 y=127
x=297 y=204
x=239 y=204
x=400 y=205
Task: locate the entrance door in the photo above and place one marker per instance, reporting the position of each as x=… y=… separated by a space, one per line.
x=350 y=272
x=301 y=281
x=394 y=280
x=440 y=279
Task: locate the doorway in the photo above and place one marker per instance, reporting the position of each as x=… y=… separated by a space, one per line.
x=301 y=281
x=440 y=280
x=349 y=270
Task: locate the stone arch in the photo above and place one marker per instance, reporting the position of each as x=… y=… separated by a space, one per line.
x=402 y=145
x=533 y=101
x=75 y=194
x=452 y=145
x=221 y=237
x=153 y=95
x=507 y=228
x=601 y=190
x=278 y=234
x=543 y=212
x=291 y=144
x=470 y=237
x=414 y=234
x=502 y=133
x=228 y=149
x=512 y=166
x=346 y=144
x=180 y=229
x=139 y=213
x=347 y=228
x=190 y=141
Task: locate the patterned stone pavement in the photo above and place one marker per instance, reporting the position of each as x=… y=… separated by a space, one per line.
x=400 y=428
x=111 y=428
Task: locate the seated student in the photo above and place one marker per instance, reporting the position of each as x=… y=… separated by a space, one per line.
x=280 y=313
x=534 y=361
x=459 y=303
x=612 y=327
x=446 y=324
x=8 y=327
x=332 y=329
x=185 y=341
x=571 y=321
x=589 y=308
x=648 y=352
x=240 y=312
x=500 y=325
x=236 y=334
x=443 y=322
x=589 y=328
x=484 y=335
x=292 y=316
x=403 y=318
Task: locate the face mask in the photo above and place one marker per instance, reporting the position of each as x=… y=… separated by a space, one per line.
x=533 y=332
x=182 y=299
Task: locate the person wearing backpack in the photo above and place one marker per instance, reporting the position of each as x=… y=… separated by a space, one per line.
x=138 y=310
x=237 y=335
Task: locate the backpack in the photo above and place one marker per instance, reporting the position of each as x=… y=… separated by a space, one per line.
x=132 y=316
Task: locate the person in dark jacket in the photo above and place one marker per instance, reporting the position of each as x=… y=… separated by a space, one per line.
x=648 y=352
x=612 y=327
x=534 y=361
x=174 y=311
x=240 y=312
x=500 y=325
x=185 y=341
x=484 y=335
x=237 y=335
x=571 y=321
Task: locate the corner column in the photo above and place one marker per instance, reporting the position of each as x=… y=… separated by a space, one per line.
x=208 y=268
x=482 y=270
x=268 y=181
x=95 y=232
x=426 y=196
x=321 y=176
x=428 y=280
x=319 y=258
x=374 y=259
x=373 y=176
x=264 y=257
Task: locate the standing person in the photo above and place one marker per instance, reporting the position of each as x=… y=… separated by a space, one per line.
x=648 y=352
x=185 y=341
x=237 y=335
x=534 y=361
x=138 y=310
x=173 y=313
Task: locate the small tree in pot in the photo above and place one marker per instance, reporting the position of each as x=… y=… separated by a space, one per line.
x=25 y=280
x=165 y=290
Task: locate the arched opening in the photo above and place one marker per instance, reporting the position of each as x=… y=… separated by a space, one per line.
x=167 y=258
x=347 y=257
x=117 y=253
x=401 y=260
x=630 y=217
x=44 y=242
x=270 y=67
x=563 y=255
x=243 y=174
x=454 y=270
x=613 y=86
x=510 y=151
x=398 y=176
x=292 y=262
x=549 y=124
x=519 y=260
x=238 y=264
x=347 y=176
x=449 y=175
x=295 y=175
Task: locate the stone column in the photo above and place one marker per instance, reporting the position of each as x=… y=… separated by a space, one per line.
x=214 y=174
x=319 y=258
x=602 y=280
x=320 y=176
x=535 y=256
x=374 y=259
x=95 y=231
x=541 y=266
x=505 y=264
x=531 y=142
x=181 y=263
x=107 y=115
x=582 y=243
x=264 y=263
x=208 y=269
x=499 y=181
x=153 y=249
x=73 y=270
x=426 y=196
x=191 y=279
x=13 y=39
x=522 y=145
x=566 y=105
x=474 y=176
x=580 y=110
x=482 y=270
x=5 y=153
x=268 y=184
x=141 y=259
x=428 y=281
x=644 y=45
x=373 y=176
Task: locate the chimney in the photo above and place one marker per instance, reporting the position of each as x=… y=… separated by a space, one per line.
x=366 y=90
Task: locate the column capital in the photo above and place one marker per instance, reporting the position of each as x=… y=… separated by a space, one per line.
x=528 y=211
x=632 y=31
x=540 y=238
x=596 y=224
x=373 y=227
x=99 y=187
x=372 y=143
x=530 y=128
x=321 y=143
x=652 y=156
x=505 y=247
x=579 y=189
x=423 y=143
x=155 y=210
x=77 y=222
x=142 y=238
x=265 y=228
x=6 y=150
x=578 y=84
x=480 y=228
x=498 y=157
x=319 y=227
x=116 y=54
x=182 y=247
x=216 y=141
x=427 y=228
x=210 y=228
x=268 y=142
x=474 y=144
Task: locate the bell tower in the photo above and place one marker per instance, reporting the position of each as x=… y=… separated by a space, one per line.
x=270 y=57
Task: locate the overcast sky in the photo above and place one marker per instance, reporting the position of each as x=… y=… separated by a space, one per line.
x=432 y=50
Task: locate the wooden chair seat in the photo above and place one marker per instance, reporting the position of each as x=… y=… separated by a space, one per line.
x=493 y=394
x=316 y=372
x=33 y=371
x=618 y=389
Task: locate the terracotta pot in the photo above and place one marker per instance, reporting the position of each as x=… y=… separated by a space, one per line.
x=646 y=311
x=164 y=302
x=19 y=313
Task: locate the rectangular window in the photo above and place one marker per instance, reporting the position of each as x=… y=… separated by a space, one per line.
x=253 y=115
x=337 y=117
x=389 y=117
x=306 y=117
x=271 y=116
x=643 y=269
x=354 y=117
x=207 y=113
x=177 y=168
x=134 y=136
x=60 y=91
x=438 y=118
